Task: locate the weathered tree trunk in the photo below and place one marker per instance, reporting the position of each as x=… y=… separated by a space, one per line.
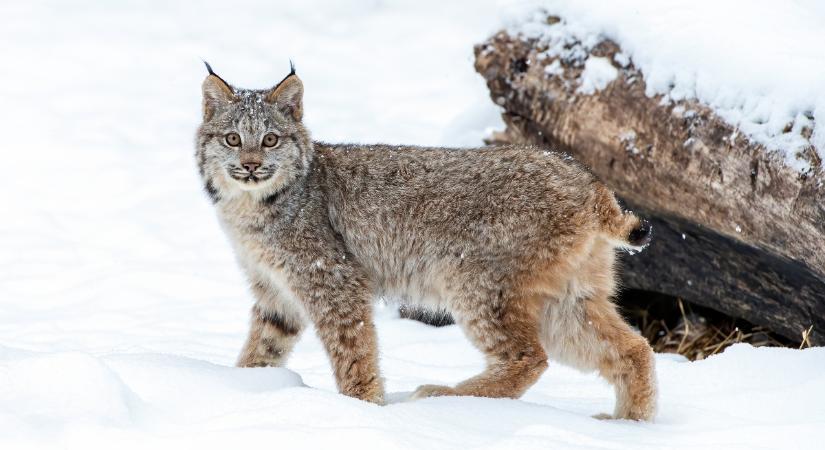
x=735 y=229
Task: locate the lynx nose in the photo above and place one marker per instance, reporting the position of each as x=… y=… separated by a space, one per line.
x=251 y=166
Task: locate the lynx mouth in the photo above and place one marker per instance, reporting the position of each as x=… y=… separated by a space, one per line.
x=247 y=178
x=250 y=178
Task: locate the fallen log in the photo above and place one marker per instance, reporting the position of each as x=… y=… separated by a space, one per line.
x=735 y=228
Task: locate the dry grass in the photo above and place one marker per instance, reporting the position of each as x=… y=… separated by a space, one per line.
x=696 y=337
x=674 y=326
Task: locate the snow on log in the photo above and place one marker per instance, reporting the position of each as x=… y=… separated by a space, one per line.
x=736 y=226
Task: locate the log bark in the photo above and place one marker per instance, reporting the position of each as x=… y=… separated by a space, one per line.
x=735 y=229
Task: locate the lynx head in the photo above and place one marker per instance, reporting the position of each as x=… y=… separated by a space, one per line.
x=252 y=140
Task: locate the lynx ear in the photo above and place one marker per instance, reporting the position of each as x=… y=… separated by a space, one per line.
x=216 y=92
x=288 y=95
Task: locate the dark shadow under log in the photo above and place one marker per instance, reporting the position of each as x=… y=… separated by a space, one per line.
x=697 y=264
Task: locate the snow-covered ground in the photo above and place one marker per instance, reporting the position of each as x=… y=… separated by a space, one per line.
x=121 y=307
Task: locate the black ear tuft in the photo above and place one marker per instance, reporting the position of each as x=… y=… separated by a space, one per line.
x=288 y=94
x=209 y=68
x=216 y=91
x=212 y=72
x=291 y=73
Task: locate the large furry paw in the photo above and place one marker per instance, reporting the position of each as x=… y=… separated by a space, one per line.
x=370 y=391
x=375 y=396
x=643 y=409
x=646 y=416
x=431 y=390
x=257 y=362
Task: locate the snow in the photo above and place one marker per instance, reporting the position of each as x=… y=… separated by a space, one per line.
x=122 y=309
x=744 y=398
x=760 y=65
x=597 y=74
x=554 y=68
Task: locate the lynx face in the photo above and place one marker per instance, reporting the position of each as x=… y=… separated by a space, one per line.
x=252 y=140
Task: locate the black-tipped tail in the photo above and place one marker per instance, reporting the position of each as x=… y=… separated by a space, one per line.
x=640 y=236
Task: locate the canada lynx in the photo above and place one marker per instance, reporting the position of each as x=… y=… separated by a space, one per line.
x=517 y=243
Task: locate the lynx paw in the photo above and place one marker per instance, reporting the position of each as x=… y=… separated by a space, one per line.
x=258 y=362
x=431 y=390
x=376 y=397
x=638 y=417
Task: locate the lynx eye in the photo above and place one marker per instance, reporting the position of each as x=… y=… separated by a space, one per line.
x=270 y=140
x=233 y=139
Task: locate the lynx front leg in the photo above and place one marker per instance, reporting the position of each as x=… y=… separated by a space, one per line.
x=339 y=303
x=353 y=351
x=273 y=332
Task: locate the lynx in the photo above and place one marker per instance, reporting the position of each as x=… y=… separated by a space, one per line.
x=517 y=243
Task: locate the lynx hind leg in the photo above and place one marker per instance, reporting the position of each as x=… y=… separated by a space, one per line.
x=583 y=329
x=272 y=335
x=590 y=334
x=506 y=330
